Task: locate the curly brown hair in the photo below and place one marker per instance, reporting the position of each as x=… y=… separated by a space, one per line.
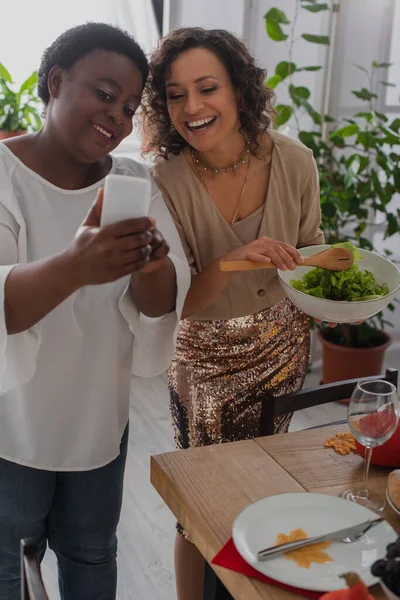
x=255 y=100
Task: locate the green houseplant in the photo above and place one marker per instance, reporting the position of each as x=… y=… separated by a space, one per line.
x=358 y=161
x=18 y=107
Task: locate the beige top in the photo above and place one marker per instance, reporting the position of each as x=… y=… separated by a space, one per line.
x=247 y=229
x=292 y=214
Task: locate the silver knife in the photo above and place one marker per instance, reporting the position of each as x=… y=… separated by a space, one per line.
x=350 y=534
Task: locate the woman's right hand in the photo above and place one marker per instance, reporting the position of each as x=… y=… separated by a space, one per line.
x=104 y=254
x=267 y=250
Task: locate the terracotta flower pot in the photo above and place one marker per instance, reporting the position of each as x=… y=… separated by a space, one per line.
x=340 y=362
x=4 y=135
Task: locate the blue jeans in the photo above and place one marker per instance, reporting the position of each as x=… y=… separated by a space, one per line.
x=77 y=513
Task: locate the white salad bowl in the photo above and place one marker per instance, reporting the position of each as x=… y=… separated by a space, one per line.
x=339 y=311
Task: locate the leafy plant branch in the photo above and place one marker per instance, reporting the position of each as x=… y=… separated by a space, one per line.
x=19 y=108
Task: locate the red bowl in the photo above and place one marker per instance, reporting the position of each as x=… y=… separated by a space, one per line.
x=387 y=455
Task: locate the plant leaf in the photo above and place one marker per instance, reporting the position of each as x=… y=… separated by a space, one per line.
x=346 y=131
x=298 y=94
x=5 y=74
x=364 y=94
x=284 y=114
x=387 y=83
x=316 y=68
x=390 y=138
x=329 y=209
x=284 y=69
x=316 y=39
x=273 y=81
x=364 y=162
x=30 y=83
x=314 y=8
x=368 y=116
x=337 y=140
x=15 y=123
x=395 y=126
x=274 y=18
x=8 y=92
x=316 y=117
x=308 y=139
x=396 y=177
x=383 y=65
x=381 y=116
x=392 y=225
x=353 y=158
x=365 y=139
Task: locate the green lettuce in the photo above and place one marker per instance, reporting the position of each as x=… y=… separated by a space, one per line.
x=351 y=286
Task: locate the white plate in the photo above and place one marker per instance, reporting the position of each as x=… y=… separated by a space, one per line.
x=258 y=526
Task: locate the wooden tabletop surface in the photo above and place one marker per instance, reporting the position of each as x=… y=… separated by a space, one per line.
x=207 y=487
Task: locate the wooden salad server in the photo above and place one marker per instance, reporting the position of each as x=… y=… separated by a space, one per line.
x=333 y=259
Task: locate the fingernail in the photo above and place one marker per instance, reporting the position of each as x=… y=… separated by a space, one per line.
x=301 y=259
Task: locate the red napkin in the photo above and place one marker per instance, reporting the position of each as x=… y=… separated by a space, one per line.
x=230 y=558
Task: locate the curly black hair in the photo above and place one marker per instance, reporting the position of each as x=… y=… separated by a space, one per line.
x=79 y=41
x=255 y=100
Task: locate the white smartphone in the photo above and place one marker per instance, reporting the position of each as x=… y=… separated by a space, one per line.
x=125 y=198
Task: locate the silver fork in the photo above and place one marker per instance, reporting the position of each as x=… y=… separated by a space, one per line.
x=347 y=535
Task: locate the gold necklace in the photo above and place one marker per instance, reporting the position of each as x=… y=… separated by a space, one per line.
x=243 y=188
x=199 y=162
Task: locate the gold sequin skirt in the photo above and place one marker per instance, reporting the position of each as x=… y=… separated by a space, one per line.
x=221 y=369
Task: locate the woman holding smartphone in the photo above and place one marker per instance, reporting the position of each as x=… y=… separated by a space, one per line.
x=80 y=305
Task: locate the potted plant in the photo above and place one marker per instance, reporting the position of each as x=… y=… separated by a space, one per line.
x=18 y=108
x=359 y=176
x=359 y=166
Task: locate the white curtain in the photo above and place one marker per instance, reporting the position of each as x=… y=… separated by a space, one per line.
x=137 y=18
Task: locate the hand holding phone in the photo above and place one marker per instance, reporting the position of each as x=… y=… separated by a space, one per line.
x=125 y=198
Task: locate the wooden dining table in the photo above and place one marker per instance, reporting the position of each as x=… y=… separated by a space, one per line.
x=207 y=487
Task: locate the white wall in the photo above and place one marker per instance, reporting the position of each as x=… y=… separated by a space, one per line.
x=21 y=50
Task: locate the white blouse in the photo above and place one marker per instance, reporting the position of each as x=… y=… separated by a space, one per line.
x=65 y=383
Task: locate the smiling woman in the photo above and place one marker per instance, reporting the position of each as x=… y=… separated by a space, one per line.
x=237 y=190
x=74 y=305
x=93 y=77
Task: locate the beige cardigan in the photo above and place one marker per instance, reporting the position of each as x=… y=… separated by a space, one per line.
x=292 y=214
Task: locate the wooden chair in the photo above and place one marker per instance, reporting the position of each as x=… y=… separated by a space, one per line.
x=32 y=586
x=332 y=392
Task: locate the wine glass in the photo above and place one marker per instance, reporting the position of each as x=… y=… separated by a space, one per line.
x=373 y=417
